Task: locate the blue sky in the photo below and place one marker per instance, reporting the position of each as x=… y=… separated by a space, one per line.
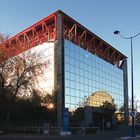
x=100 y=16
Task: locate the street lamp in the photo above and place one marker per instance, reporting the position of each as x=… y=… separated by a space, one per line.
x=51 y=107
x=132 y=82
x=85 y=100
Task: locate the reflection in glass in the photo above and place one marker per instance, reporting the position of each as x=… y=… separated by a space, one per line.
x=86 y=74
x=98 y=98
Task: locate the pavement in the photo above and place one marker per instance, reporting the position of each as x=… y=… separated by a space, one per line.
x=109 y=135
x=137 y=137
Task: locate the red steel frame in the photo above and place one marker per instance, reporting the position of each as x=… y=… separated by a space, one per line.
x=46 y=31
x=81 y=36
x=42 y=31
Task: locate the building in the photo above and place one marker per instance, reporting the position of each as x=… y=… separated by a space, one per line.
x=85 y=70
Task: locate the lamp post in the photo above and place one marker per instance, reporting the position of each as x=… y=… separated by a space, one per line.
x=85 y=101
x=132 y=82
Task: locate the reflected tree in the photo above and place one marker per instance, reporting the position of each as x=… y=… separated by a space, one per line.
x=76 y=117
x=108 y=107
x=138 y=117
x=18 y=75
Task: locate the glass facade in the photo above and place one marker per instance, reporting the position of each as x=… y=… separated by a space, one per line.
x=44 y=81
x=86 y=74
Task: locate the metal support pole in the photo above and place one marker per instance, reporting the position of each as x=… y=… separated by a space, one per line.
x=132 y=84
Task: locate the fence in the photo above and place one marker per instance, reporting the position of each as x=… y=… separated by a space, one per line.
x=54 y=130
x=84 y=130
x=26 y=130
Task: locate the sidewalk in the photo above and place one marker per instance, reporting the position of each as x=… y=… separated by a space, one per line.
x=130 y=138
x=107 y=135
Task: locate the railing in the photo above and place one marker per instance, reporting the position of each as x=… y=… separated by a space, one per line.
x=54 y=130
x=84 y=130
x=26 y=130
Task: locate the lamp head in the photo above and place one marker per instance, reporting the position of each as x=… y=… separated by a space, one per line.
x=50 y=106
x=116 y=32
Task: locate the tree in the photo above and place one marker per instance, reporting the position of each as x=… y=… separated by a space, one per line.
x=19 y=74
x=109 y=108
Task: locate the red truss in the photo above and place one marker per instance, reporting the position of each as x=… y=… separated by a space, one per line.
x=81 y=36
x=46 y=31
x=42 y=31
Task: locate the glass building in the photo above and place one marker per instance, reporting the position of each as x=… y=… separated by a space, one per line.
x=86 y=72
x=90 y=81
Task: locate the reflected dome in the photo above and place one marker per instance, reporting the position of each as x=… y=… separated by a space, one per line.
x=98 y=98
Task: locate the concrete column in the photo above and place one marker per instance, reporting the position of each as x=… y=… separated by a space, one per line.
x=125 y=85
x=58 y=72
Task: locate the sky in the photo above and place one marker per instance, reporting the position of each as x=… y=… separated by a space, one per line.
x=102 y=17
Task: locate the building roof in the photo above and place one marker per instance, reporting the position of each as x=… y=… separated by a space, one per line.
x=46 y=30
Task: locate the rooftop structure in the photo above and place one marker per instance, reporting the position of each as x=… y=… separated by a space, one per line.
x=46 y=31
